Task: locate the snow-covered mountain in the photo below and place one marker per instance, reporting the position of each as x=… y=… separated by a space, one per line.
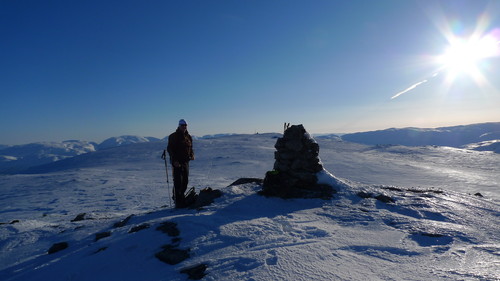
x=17 y=158
x=124 y=140
x=404 y=213
x=481 y=137
x=456 y=136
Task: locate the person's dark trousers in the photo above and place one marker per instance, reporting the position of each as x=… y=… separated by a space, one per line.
x=181 y=175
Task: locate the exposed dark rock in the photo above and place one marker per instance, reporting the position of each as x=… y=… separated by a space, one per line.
x=79 y=217
x=478 y=194
x=195 y=272
x=139 y=227
x=282 y=185
x=123 y=222
x=384 y=198
x=380 y=197
x=58 y=247
x=100 y=250
x=247 y=180
x=425 y=191
x=176 y=241
x=172 y=255
x=393 y=188
x=101 y=235
x=431 y=234
x=363 y=194
x=413 y=190
x=170 y=228
x=296 y=167
x=12 y=222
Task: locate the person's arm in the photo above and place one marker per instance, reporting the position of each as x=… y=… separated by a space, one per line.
x=191 y=151
x=170 y=149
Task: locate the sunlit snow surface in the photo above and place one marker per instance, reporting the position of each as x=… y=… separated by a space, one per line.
x=436 y=229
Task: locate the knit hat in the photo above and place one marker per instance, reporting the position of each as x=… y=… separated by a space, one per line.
x=182 y=122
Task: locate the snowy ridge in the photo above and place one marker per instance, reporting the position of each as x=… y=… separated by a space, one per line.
x=14 y=159
x=214 y=136
x=456 y=136
x=492 y=145
x=124 y=140
x=19 y=157
x=401 y=213
x=481 y=137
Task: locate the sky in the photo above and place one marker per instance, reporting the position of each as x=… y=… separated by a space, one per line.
x=91 y=70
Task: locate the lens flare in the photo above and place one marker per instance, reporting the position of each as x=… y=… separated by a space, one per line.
x=464 y=55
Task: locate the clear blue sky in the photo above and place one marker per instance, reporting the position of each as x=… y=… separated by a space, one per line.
x=90 y=70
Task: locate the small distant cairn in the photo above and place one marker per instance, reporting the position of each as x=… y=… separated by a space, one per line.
x=296 y=167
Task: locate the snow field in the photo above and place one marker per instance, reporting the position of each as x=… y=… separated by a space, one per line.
x=435 y=230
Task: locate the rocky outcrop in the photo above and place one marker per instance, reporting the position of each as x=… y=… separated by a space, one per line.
x=79 y=217
x=57 y=247
x=101 y=235
x=172 y=255
x=196 y=272
x=123 y=222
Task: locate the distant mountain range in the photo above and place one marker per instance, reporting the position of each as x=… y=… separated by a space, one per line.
x=124 y=140
x=17 y=158
x=482 y=137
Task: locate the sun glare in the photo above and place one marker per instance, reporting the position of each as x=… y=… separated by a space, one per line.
x=464 y=55
x=469 y=56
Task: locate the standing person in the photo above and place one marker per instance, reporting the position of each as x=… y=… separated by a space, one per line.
x=180 y=150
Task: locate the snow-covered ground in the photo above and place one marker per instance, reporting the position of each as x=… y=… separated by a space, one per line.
x=436 y=228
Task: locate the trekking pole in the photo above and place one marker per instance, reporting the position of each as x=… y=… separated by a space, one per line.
x=164 y=156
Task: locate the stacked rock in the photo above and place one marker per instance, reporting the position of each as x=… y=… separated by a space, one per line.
x=296 y=167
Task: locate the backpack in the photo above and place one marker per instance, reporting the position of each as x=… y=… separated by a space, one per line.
x=191 y=197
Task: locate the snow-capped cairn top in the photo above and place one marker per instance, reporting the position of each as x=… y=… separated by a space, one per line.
x=296 y=167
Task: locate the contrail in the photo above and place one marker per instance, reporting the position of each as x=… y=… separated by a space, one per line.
x=408 y=89
x=413 y=86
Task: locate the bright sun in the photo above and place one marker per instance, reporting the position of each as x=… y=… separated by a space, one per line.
x=463 y=56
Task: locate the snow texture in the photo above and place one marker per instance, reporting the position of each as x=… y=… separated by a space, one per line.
x=403 y=213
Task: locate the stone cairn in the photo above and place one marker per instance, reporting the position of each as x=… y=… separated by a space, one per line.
x=296 y=167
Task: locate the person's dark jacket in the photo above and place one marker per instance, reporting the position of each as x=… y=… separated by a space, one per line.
x=180 y=147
